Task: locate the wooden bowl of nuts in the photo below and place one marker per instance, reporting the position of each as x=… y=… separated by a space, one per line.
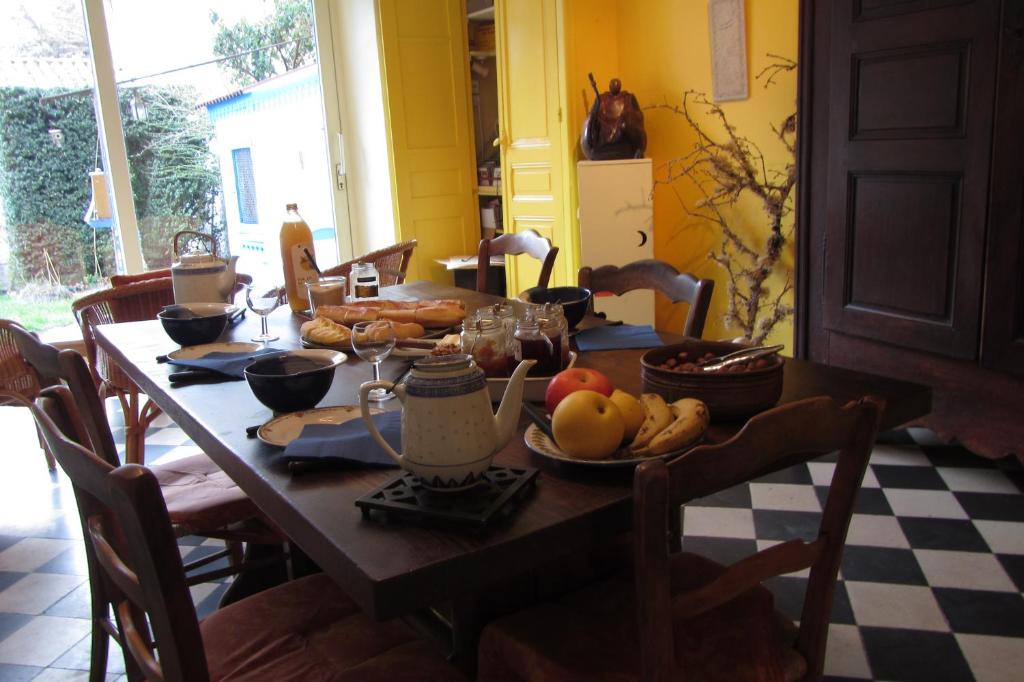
x=733 y=392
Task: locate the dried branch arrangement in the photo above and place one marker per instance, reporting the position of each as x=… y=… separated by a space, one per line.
x=723 y=169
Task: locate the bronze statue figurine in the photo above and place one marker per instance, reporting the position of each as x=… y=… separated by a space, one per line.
x=615 y=127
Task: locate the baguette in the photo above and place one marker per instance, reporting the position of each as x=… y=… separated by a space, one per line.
x=398 y=315
x=445 y=302
x=325 y=331
x=439 y=316
x=403 y=330
x=355 y=314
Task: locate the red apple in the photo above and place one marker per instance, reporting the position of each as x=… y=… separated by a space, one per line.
x=575 y=379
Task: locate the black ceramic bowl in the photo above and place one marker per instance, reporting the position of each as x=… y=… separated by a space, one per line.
x=192 y=324
x=574 y=300
x=295 y=380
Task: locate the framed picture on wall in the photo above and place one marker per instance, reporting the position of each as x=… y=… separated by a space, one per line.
x=728 y=29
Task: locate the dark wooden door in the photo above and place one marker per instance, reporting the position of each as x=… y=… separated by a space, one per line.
x=1002 y=345
x=910 y=89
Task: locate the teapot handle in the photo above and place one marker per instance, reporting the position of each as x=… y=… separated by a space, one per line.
x=364 y=408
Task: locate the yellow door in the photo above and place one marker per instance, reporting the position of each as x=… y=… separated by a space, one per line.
x=531 y=91
x=426 y=76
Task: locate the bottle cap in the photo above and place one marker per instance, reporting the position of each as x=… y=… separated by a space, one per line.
x=291 y=207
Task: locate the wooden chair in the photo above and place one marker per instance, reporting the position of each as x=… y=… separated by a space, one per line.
x=685 y=617
x=131 y=302
x=18 y=377
x=391 y=263
x=305 y=630
x=513 y=244
x=200 y=498
x=658 y=275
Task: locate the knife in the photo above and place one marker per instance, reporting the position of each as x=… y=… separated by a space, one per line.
x=538 y=417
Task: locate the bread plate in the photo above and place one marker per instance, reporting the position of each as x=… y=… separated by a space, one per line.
x=399 y=351
x=202 y=350
x=282 y=430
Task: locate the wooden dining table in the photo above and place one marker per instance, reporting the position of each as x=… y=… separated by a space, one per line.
x=392 y=569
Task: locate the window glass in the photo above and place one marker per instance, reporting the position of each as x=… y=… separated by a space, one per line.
x=245 y=186
x=225 y=128
x=55 y=237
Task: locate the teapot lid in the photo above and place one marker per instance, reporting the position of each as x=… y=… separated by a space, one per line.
x=198 y=260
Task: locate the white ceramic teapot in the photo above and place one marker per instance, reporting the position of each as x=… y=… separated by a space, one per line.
x=449 y=434
x=201 y=277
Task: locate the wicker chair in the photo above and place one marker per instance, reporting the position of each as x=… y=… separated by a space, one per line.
x=241 y=279
x=130 y=302
x=391 y=263
x=19 y=378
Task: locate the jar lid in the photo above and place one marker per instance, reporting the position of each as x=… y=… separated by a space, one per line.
x=443 y=363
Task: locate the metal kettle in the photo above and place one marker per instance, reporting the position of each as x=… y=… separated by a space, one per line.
x=198 y=275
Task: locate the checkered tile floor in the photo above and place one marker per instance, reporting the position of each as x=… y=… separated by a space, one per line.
x=930 y=586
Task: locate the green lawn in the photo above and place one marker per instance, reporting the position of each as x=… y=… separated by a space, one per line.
x=37 y=315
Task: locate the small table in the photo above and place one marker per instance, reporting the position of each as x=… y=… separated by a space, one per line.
x=391 y=570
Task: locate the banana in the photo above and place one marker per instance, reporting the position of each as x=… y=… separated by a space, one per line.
x=657 y=416
x=691 y=421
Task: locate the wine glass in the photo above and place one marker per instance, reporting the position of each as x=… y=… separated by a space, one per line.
x=263 y=299
x=373 y=341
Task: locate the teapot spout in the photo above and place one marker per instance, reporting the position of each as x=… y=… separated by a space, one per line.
x=507 y=417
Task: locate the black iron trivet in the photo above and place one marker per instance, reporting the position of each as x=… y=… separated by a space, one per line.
x=404 y=499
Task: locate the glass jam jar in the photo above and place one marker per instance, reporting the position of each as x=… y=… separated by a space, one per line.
x=531 y=343
x=365 y=281
x=484 y=338
x=556 y=327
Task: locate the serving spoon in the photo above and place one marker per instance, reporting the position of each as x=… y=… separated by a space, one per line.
x=742 y=355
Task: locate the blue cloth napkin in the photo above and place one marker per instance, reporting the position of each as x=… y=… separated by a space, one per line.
x=348 y=444
x=228 y=364
x=614 y=337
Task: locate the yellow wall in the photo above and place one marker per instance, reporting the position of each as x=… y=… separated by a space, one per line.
x=661 y=49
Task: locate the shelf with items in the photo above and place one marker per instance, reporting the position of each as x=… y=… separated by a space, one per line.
x=482 y=58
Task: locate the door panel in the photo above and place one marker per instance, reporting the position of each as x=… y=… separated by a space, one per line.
x=427 y=108
x=533 y=135
x=1003 y=329
x=909 y=136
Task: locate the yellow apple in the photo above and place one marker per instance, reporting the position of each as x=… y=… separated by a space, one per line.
x=632 y=411
x=587 y=425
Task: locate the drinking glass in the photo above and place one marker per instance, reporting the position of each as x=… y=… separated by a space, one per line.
x=263 y=299
x=374 y=341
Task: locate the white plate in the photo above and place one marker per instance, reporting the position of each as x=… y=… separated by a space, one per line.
x=414 y=352
x=347 y=348
x=195 y=352
x=538 y=441
x=284 y=429
x=534 y=388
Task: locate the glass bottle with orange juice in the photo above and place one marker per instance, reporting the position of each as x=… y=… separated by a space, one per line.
x=296 y=255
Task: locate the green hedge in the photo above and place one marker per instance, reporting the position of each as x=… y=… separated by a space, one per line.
x=45 y=188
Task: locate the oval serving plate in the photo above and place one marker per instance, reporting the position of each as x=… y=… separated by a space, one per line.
x=533 y=387
x=196 y=352
x=538 y=441
x=282 y=430
x=397 y=352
